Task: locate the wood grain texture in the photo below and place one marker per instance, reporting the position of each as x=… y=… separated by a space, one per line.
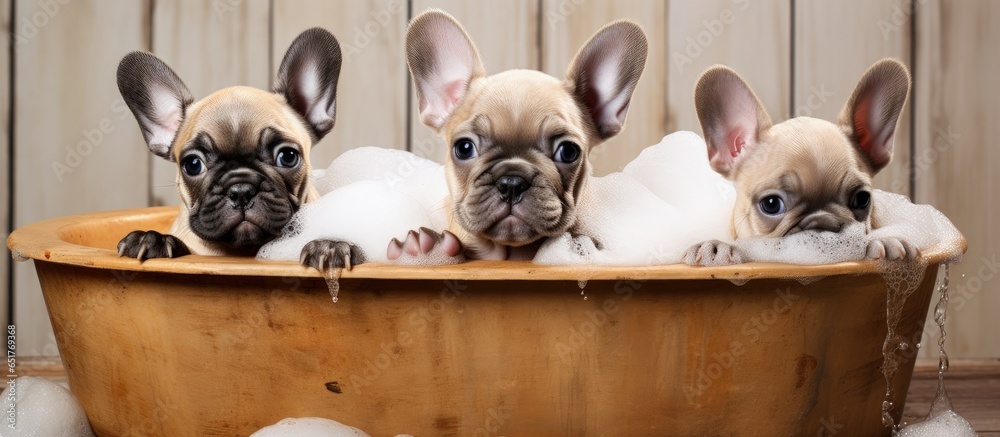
x=210 y=45
x=439 y=354
x=751 y=37
x=957 y=159
x=5 y=192
x=829 y=61
x=506 y=34
x=371 y=92
x=566 y=27
x=77 y=146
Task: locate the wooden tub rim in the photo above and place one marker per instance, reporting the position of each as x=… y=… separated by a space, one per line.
x=47 y=241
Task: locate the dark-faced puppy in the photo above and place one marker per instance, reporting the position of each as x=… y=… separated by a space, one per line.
x=805 y=173
x=519 y=139
x=242 y=153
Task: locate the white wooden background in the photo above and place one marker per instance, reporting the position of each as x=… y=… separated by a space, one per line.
x=57 y=89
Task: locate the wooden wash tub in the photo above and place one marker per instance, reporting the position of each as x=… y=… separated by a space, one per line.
x=224 y=346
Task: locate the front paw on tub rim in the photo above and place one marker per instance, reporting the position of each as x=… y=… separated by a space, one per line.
x=143 y=245
x=326 y=255
x=713 y=253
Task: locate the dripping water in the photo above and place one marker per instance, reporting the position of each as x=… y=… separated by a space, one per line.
x=332 y=277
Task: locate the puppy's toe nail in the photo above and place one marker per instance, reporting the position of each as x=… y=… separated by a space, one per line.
x=142 y=253
x=426 y=240
x=450 y=244
x=395 y=249
x=412 y=245
x=347 y=261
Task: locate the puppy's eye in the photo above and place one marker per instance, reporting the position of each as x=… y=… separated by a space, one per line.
x=567 y=152
x=861 y=200
x=772 y=205
x=465 y=149
x=193 y=165
x=287 y=157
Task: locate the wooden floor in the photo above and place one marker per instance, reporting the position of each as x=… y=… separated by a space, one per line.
x=973 y=385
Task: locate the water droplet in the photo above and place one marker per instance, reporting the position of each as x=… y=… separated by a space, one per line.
x=332 y=278
x=904 y=346
x=582 y=283
x=943 y=362
x=919 y=345
x=585 y=298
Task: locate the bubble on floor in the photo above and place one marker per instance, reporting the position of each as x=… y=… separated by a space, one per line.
x=43 y=408
x=309 y=427
x=945 y=424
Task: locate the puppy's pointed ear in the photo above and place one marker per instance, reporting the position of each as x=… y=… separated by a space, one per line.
x=157 y=98
x=732 y=117
x=870 y=116
x=308 y=79
x=443 y=62
x=605 y=71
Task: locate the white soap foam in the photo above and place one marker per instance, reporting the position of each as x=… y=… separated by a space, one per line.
x=369 y=196
x=922 y=225
x=663 y=202
x=43 y=408
x=944 y=424
x=309 y=427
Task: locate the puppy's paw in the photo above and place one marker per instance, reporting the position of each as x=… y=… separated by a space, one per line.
x=713 y=253
x=891 y=249
x=143 y=245
x=326 y=255
x=426 y=247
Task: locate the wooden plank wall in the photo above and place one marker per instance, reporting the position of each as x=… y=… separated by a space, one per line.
x=957 y=159
x=801 y=57
x=6 y=262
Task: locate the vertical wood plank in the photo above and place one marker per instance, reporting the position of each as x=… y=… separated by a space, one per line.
x=506 y=34
x=956 y=161
x=77 y=148
x=751 y=37
x=829 y=61
x=567 y=27
x=371 y=94
x=210 y=45
x=5 y=263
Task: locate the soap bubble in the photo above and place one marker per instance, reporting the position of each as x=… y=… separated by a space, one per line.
x=309 y=427
x=943 y=424
x=43 y=408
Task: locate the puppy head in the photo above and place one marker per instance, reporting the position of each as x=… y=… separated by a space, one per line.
x=242 y=153
x=520 y=139
x=804 y=173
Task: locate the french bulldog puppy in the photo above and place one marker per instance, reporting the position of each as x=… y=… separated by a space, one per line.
x=519 y=139
x=804 y=173
x=242 y=153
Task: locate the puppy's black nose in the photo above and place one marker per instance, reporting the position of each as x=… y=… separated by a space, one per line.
x=241 y=195
x=512 y=188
